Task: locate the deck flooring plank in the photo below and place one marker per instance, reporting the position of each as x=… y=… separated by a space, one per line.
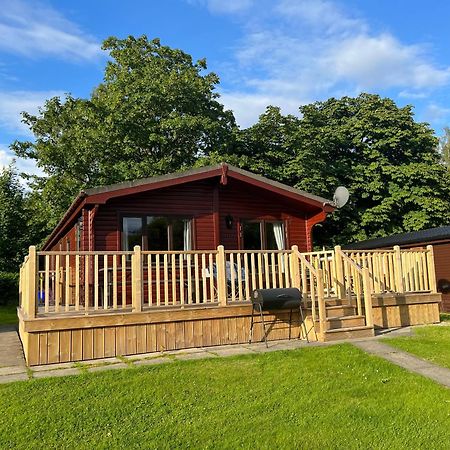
x=43 y=348
x=76 y=348
x=151 y=338
x=120 y=341
x=161 y=340
x=110 y=342
x=99 y=342
x=53 y=347
x=179 y=335
x=130 y=333
x=141 y=338
x=65 y=338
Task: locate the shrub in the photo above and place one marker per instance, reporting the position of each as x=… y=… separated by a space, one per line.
x=9 y=287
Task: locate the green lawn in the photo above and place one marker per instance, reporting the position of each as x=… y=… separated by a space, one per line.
x=327 y=397
x=8 y=314
x=431 y=342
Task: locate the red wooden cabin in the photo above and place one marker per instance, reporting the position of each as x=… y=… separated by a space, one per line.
x=194 y=210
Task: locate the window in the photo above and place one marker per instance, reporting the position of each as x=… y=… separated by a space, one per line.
x=157 y=233
x=262 y=235
x=132 y=232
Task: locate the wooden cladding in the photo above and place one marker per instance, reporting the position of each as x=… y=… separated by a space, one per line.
x=64 y=345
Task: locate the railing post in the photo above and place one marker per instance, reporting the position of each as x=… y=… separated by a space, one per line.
x=30 y=308
x=431 y=269
x=221 y=276
x=339 y=272
x=295 y=267
x=398 y=269
x=136 y=279
x=321 y=301
x=367 y=290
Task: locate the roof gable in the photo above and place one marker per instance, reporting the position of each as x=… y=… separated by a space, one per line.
x=104 y=193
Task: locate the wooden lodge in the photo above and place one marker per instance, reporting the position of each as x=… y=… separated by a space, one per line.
x=170 y=262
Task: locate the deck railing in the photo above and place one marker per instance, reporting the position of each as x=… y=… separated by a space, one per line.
x=95 y=282
x=398 y=271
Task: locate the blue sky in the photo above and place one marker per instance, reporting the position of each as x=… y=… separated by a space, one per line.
x=281 y=52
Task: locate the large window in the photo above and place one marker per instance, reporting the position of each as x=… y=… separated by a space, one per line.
x=157 y=233
x=263 y=235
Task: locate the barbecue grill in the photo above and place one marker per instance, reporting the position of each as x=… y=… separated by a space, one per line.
x=276 y=299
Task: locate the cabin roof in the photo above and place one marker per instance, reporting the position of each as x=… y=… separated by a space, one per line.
x=209 y=171
x=414 y=237
x=101 y=194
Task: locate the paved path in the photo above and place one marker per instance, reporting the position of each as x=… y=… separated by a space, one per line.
x=18 y=371
x=12 y=363
x=406 y=360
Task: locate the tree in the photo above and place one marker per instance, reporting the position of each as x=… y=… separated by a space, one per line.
x=444 y=147
x=388 y=161
x=155 y=112
x=14 y=221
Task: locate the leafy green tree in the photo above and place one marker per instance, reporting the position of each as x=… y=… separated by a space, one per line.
x=388 y=161
x=444 y=147
x=155 y=112
x=14 y=221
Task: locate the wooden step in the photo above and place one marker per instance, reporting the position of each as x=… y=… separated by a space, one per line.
x=334 y=302
x=340 y=310
x=333 y=323
x=347 y=333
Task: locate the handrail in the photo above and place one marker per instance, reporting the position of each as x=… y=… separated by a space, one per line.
x=361 y=279
x=318 y=275
x=306 y=262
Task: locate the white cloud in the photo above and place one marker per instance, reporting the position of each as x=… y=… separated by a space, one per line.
x=34 y=30
x=382 y=61
x=293 y=51
x=225 y=6
x=437 y=114
x=247 y=106
x=13 y=103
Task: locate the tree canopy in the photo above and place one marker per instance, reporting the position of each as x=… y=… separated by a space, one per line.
x=158 y=111
x=155 y=112
x=389 y=162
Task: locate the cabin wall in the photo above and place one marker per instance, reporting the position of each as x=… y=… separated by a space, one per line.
x=242 y=201
x=208 y=203
x=67 y=241
x=442 y=268
x=193 y=200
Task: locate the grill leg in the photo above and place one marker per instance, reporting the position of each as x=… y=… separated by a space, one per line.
x=290 y=323
x=250 y=339
x=303 y=324
x=263 y=325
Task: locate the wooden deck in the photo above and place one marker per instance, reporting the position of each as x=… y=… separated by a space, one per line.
x=71 y=311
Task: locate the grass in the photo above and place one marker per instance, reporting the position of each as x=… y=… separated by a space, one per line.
x=8 y=313
x=431 y=342
x=327 y=397
x=445 y=317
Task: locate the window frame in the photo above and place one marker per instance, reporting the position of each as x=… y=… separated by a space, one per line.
x=144 y=236
x=262 y=232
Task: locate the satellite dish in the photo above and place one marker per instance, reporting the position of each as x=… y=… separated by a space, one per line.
x=340 y=197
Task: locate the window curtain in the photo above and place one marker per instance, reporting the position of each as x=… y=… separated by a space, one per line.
x=187 y=236
x=279 y=235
